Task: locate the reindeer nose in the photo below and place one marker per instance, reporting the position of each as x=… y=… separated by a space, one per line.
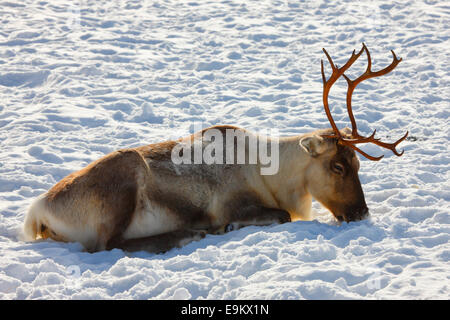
x=357 y=215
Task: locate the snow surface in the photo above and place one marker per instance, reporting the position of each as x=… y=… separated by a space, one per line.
x=79 y=79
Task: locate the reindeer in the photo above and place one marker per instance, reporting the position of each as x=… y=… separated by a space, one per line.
x=139 y=199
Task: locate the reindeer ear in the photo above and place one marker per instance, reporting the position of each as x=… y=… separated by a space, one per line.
x=314 y=145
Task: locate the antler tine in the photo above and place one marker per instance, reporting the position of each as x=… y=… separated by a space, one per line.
x=392 y=146
x=333 y=66
x=369 y=59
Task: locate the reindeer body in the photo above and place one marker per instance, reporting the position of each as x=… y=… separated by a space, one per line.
x=139 y=193
x=140 y=199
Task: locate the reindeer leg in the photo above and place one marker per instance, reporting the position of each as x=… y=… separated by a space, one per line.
x=256 y=216
x=158 y=243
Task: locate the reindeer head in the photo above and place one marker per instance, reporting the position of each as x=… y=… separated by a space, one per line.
x=333 y=177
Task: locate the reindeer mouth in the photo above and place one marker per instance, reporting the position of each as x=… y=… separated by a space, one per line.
x=357 y=216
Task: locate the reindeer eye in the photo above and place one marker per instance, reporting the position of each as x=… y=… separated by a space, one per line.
x=337 y=167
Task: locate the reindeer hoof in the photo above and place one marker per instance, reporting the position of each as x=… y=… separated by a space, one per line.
x=229 y=227
x=284 y=217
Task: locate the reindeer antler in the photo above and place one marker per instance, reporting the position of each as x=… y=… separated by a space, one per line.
x=327 y=84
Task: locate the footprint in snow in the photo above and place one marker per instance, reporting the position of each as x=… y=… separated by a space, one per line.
x=39 y=153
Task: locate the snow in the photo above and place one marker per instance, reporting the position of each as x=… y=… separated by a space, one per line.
x=79 y=79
